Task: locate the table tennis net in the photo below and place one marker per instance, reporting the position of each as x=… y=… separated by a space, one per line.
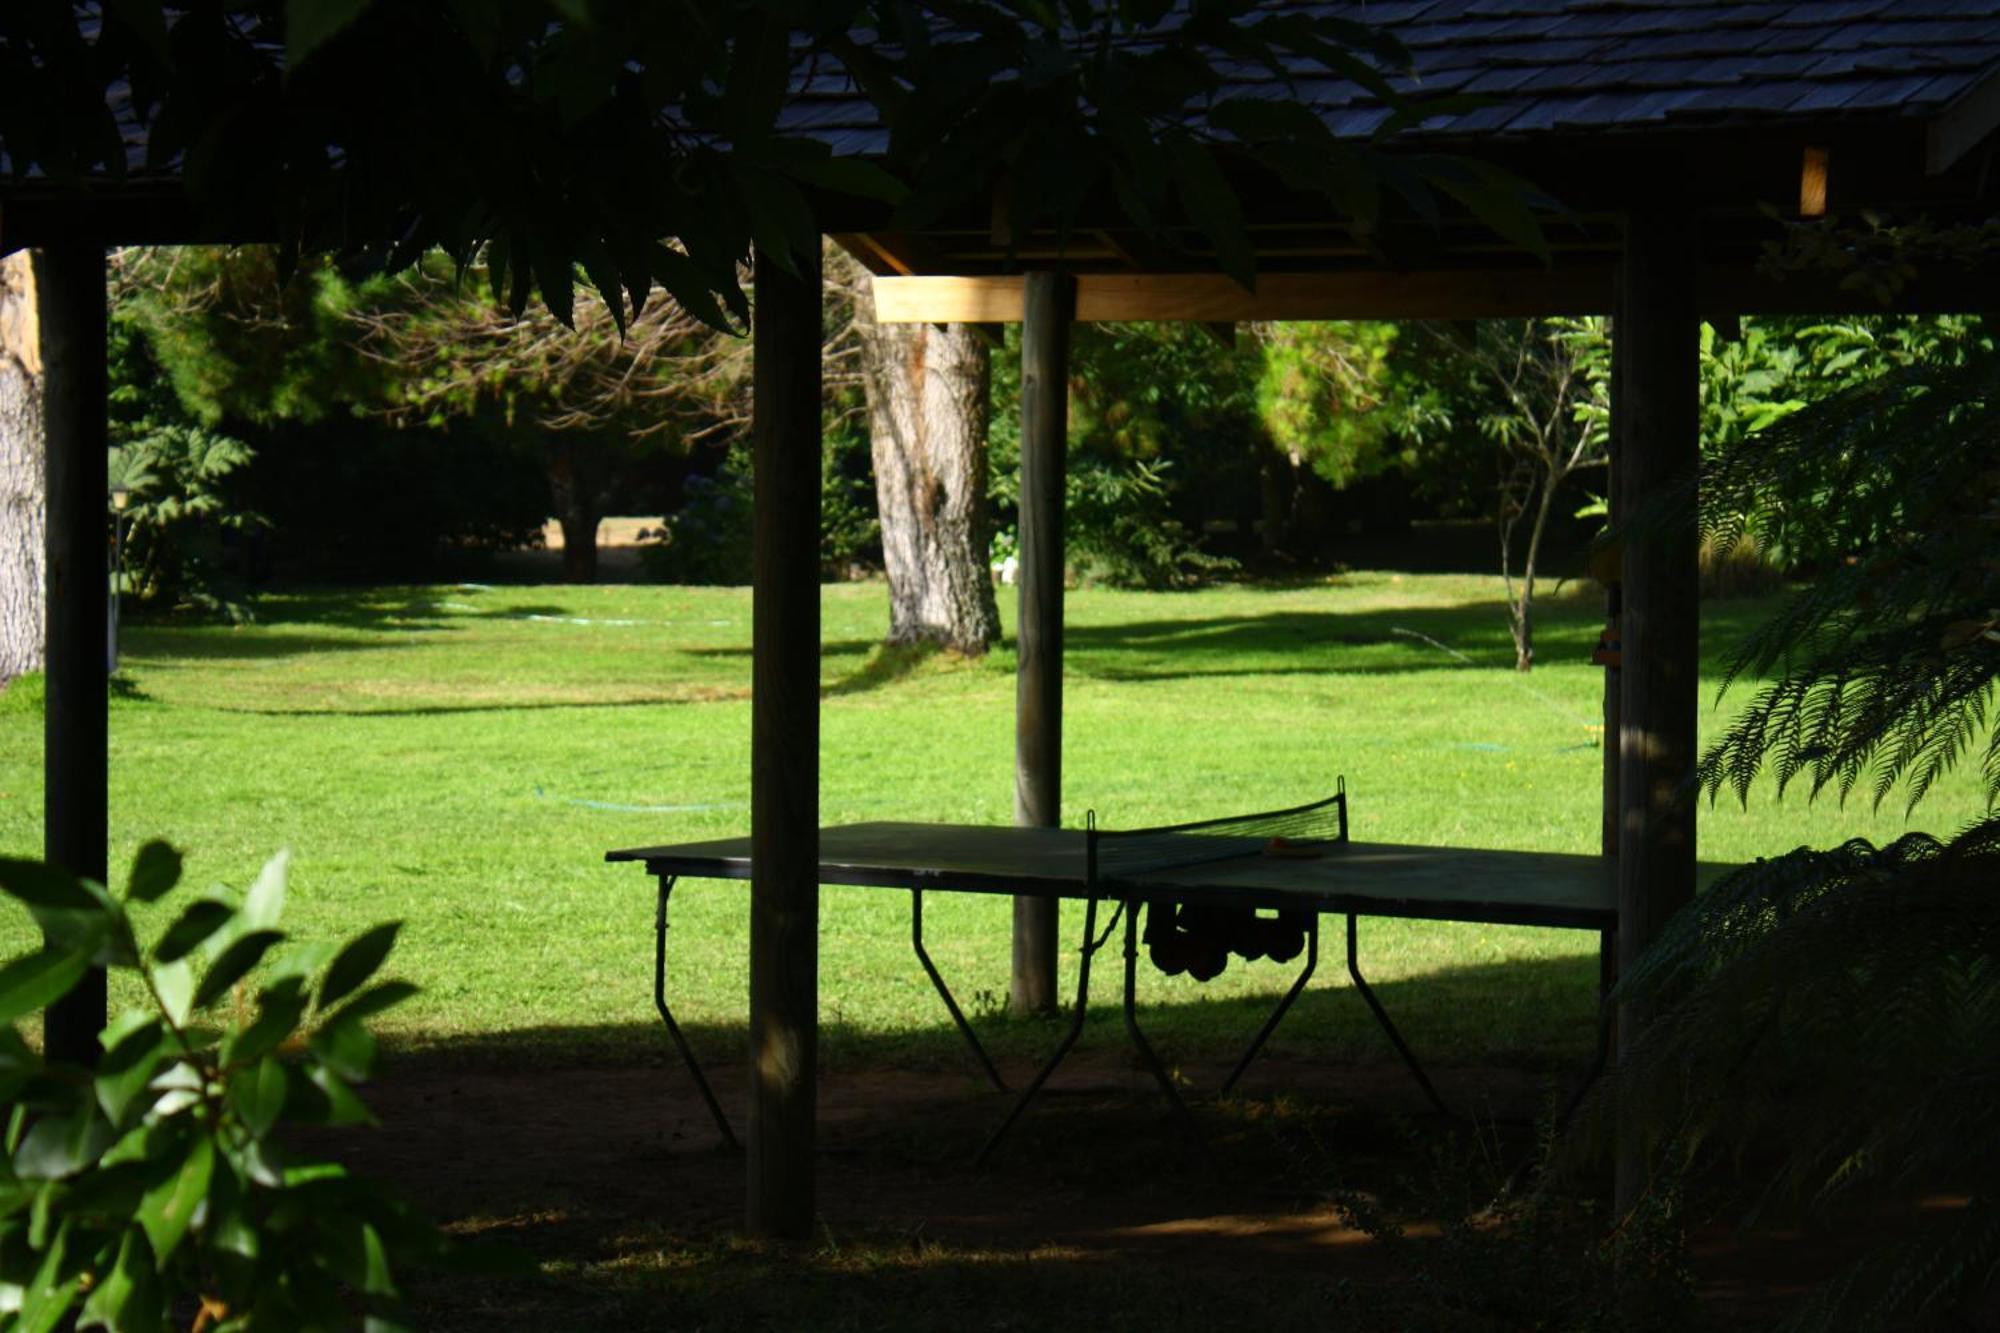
x=1128 y=854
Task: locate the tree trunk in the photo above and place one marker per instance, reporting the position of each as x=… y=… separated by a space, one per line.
x=928 y=392
x=579 y=532
x=573 y=489
x=1524 y=615
x=21 y=473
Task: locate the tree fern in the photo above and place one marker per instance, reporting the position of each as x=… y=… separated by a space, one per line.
x=1843 y=1005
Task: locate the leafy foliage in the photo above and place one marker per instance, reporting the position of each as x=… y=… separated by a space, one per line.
x=1885 y=667
x=157 y=1187
x=183 y=481
x=1843 y=1005
x=558 y=136
x=1326 y=397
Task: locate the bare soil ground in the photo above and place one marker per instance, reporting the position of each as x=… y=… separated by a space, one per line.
x=1096 y=1213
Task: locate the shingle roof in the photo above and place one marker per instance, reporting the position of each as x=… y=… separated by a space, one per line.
x=1609 y=65
x=1556 y=66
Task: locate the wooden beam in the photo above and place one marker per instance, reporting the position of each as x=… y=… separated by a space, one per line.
x=1211 y=298
x=1657 y=352
x=69 y=283
x=1963 y=126
x=1049 y=299
x=1510 y=293
x=887 y=252
x=784 y=748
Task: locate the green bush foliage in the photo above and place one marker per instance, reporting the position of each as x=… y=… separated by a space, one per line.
x=157 y=1189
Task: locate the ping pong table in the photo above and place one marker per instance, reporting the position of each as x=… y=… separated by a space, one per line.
x=1299 y=863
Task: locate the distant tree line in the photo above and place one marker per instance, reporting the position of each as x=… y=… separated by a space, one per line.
x=335 y=427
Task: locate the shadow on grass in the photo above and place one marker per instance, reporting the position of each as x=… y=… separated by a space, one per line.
x=1400 y=639
x=588 y=1148
x=887 y=664
x=695 y=696
x=162 y=649
x=1534 y=1014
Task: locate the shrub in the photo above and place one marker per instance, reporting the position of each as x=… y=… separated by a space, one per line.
x=155 y=1188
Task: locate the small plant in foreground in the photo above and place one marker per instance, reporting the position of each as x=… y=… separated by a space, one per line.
x=153 y=1190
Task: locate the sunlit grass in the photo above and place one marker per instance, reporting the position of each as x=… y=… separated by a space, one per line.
x=461 y=757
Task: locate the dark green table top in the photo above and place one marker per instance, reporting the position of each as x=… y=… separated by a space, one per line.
x=1366 y=878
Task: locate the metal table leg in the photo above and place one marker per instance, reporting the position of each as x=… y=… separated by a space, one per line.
x=1271 y=1023
x=1091 y=943
x=1144 y=1047
x=944 y=992
x=1607 y=977
x=667 y=1016
x=1382 y=1017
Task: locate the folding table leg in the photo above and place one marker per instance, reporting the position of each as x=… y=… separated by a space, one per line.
x=1091 y=943
x=1144 y=1047
x=1382 y=1017
x=1271 y=1023
x=944 y=991
x=667 y=1016
x=1607 y=977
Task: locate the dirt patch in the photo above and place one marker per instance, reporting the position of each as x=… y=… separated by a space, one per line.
x=615 y=1180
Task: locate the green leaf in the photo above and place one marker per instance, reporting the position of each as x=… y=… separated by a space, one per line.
x=377 y=1281
x=128 y=1299
x=279 y=1010
x=342 y=1107
x=258 y=1094
x=41 y=885
x=96 y=934
x=297 y=964
x=376 y=999
x=175 y=983
x=234 y=964
x=192 y=929
x=48 y=1295
x=309 y=24
x=346 y=1046
x=850 y=176
x=38 y=979
x=155 y=871
x=130 y=1059
x=265 y=902
x=356 y=963
x=61 y=1145
x=167 y=1211
x=1212 y=205
x=1498 y=199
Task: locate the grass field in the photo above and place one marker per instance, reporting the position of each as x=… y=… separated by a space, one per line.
x=461 y=757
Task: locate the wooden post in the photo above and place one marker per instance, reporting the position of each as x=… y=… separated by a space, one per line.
x=1658 y=356
x=784 y=748
x=69 y=281
x=1050 y=305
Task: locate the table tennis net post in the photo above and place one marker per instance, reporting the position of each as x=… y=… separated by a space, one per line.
x=1127 y=854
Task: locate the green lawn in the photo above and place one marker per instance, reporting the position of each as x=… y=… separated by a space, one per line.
x=461 y=757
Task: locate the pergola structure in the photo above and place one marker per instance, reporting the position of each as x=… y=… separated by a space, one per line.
x=1673 y=136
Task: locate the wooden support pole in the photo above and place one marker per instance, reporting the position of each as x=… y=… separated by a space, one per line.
x=69 y=281
x=1050 y=304
x=1658 y=376
x=784 y=748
